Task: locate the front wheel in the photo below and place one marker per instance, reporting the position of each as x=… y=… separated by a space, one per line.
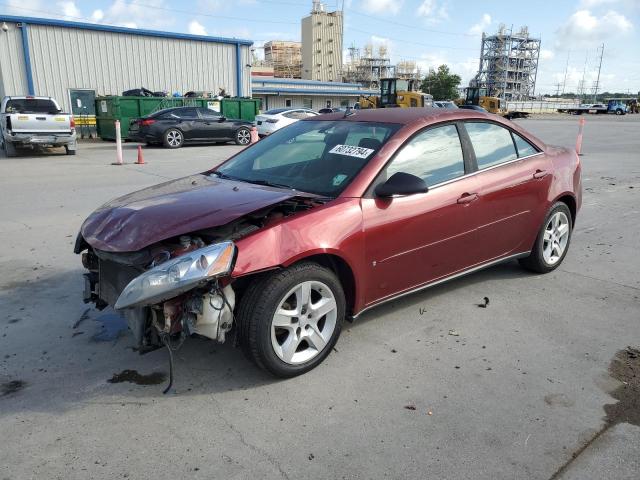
x=69 y=151
x=553 y=240
x=619 y=111
x=9 y=149
x=173 y=138
x=243 y=136
x=289 y=321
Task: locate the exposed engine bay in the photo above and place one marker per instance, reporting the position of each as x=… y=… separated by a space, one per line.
x=206 y=309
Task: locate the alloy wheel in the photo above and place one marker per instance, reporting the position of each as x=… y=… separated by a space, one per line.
x=556 y=237
x=244 y=136
x=174 y=138
x=303 y=322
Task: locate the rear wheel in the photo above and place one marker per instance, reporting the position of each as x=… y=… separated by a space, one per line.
x=290 y=321
x=243 y=136
x=173 y=138
x=619 y=111
x=552 y=242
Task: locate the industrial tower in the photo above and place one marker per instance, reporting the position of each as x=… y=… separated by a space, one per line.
x=509 y=64
x=322 y=44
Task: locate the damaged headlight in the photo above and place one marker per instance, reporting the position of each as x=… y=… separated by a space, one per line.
x=178 y=275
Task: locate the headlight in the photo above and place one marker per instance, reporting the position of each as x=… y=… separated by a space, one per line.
x=178 y=275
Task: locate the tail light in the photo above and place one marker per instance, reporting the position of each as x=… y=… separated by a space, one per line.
x=72 y=122
x=147 y=122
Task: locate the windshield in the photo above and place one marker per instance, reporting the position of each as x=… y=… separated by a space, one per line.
x=31 y=105
x=320 y=157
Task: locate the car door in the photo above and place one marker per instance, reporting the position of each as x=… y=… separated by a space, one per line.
x=190 y=123
x=214 y=127
x=513 y=182
x=416 y=239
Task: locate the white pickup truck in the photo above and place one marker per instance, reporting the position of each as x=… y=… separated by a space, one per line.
x=28 y=121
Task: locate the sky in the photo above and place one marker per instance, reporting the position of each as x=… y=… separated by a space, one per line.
x=429 y=32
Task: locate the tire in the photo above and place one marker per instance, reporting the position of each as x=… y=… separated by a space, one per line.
x=173 y=138
x=9 y=149
x=243 y=136
x=299 y=341
x=69 y=152
x=619 y=112
x=545 y=257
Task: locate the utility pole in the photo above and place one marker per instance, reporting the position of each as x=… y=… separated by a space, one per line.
x=557 y=89
x=566 y=69
x=597 y=85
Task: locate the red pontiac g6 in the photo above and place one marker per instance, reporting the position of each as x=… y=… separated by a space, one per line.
x=323 y=220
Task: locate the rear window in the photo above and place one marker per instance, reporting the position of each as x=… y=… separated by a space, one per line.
x=492 y=143
x=31 y=105
x=524 y=148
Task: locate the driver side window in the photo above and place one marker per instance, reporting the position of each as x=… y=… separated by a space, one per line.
x=435 y=155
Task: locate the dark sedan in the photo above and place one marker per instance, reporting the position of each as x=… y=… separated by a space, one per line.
x=477 y=108
x=325 y=219
x=174 y=127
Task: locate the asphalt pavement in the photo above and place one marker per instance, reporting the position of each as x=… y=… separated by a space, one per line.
x=533 y=386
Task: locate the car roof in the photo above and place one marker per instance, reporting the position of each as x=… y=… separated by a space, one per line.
x=422 y=116
x=403 y=116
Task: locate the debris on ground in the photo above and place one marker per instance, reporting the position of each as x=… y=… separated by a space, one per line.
x=625 y=367
x=454 y=333
x=485 y=304
x=429 y=412
x=13 y=386
x=393 y=350
x=133 y=376
x=83 y=317
x=311 y=456
x=410 y=407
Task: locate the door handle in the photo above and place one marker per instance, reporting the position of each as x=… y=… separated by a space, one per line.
x=467 y=198
x=540 y=173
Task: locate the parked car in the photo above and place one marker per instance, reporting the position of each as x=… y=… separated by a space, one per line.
x=175 y=127
x=272 y=120
x=477 y=108
x=324 y=220
x=445 y=104
x=28 y=121
x=331 y=110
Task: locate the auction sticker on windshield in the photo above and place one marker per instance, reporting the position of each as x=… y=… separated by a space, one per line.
x=351 y=151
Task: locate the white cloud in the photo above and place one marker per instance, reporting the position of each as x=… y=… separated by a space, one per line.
x=69 y=10
x=132 y=15
x=382 y=6
x=97 y=15
x=433 y=12
x=585 y=28
x=480 y=27
x=546 y=54
x=196 y=28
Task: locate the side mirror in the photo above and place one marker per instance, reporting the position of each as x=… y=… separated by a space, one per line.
x=401 y=183
x=222 y=119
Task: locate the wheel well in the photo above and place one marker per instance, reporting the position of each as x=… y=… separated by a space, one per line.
x=570 y=202
x=342 y=270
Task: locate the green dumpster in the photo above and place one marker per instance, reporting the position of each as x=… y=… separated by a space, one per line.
x=112 y=108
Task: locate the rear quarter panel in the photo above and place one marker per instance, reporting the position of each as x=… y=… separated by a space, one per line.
x=567 y=175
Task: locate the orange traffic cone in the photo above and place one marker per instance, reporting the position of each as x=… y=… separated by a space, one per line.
x=140 y=157
x=254 y=135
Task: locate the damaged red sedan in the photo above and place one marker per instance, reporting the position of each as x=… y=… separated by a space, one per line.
x=323 y=220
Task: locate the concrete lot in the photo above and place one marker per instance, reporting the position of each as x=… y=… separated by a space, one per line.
x=523 y=388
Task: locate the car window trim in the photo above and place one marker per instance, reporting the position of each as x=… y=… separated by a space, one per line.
x=513 y=136
x=511 y=131
x=465 y=159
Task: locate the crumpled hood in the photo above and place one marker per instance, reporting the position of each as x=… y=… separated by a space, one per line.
x=174 y=208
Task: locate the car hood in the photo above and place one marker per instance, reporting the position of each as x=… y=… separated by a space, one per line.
x=174 y=208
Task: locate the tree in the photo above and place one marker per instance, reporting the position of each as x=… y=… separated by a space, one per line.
x=442 y=84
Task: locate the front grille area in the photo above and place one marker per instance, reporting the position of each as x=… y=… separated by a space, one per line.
x=113 y=277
